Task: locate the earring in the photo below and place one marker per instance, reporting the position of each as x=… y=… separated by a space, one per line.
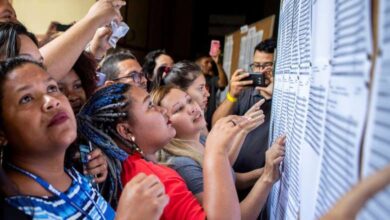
x=134 y=145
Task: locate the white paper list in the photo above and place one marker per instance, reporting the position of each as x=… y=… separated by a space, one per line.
x=377 y=140
x=347 y=102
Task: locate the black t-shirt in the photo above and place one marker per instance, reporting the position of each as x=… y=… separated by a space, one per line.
x=252 y=153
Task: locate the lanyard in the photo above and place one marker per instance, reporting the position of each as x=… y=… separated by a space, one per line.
x=56 y=192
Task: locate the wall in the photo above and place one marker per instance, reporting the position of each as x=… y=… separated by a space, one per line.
x=36 y=15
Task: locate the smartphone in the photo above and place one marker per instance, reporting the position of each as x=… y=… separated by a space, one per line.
x=214 y=47
x=84 y=152
x=258 y=79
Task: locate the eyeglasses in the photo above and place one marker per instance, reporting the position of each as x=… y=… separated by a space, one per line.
x=257 y=66
x=134 y=75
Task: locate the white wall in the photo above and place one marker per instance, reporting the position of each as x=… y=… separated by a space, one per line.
x=36 y=15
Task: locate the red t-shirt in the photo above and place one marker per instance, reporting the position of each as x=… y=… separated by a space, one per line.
x=182 y=203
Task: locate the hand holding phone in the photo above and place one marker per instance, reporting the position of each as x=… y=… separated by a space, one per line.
x=214 y=47
x=258 y=79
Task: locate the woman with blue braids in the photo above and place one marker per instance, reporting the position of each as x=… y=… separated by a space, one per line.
x=37 y=125
x=123 y=122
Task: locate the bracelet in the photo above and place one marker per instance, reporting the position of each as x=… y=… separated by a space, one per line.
x=230 y=98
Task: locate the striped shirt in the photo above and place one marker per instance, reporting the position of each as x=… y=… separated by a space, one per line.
x=80 y=192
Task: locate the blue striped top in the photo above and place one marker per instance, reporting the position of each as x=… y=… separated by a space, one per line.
x=53 y=207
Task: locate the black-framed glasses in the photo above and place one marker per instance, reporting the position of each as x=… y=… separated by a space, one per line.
x=134 y=75
x=257 y=66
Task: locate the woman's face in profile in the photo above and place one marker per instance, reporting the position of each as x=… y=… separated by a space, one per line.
x=149 y=124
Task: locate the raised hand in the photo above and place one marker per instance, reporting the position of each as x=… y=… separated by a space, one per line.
x=255 y=115
x=224 y=131
x=273 y=157
x=267 y=91
x=99 y=44
x=97 y=166
x=237 y=84
x=142 y=198
x=105 y=11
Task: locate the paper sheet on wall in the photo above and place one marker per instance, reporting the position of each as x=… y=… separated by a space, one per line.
x=347 y=102
x=296 y=98
x=227 y=63
x=312 y=143
x=377 y=141
x=286 y=78
x=227 y=55
x=243 y=48
x=247 y=46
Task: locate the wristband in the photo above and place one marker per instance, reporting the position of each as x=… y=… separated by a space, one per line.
x=230 y=98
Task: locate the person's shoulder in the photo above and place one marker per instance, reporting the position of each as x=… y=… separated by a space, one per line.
x=183 y=161
x=134 y=165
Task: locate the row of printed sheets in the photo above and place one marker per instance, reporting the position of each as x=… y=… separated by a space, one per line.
x=334 y=113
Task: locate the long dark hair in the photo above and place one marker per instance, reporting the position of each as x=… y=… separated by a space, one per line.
x=183 y=74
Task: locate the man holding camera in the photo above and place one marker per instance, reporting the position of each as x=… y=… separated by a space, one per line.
x=242 y=95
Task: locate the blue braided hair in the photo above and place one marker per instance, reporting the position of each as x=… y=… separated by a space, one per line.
x=97 y=122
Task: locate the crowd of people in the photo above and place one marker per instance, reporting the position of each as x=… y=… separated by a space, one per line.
x=149 y=142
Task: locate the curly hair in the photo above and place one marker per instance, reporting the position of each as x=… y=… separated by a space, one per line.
x=85 y=68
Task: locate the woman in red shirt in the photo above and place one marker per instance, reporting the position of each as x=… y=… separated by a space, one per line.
x=124 y=123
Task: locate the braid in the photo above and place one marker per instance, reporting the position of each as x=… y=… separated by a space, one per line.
x=97 y=122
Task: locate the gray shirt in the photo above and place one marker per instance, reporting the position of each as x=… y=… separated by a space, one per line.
x=191 y=172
